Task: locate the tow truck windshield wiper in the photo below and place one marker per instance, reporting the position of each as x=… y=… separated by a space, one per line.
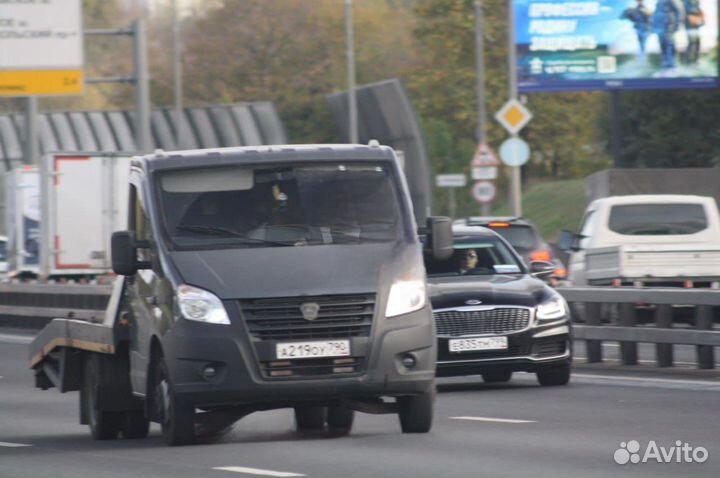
x=225 y=232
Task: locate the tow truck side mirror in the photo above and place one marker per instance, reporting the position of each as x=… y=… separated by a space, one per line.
x=440 y=237
x=124 y=253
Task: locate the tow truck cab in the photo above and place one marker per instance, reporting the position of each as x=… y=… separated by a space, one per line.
x=262 y=278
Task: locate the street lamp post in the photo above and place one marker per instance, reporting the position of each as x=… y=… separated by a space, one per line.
x=177 y=77
x=352 y=97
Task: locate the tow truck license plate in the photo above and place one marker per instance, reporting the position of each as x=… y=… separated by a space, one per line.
x=299 y=350
x=478 y=343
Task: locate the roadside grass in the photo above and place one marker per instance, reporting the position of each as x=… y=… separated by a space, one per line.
x=552 y=206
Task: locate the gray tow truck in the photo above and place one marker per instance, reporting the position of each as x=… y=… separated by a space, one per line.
x=255 y=279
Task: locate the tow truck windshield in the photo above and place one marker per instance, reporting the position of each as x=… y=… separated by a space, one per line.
x=260 y=206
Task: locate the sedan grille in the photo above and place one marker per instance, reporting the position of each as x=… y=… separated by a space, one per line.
x=498 y=321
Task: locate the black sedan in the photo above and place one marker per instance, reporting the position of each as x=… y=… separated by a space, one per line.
x=494 y=316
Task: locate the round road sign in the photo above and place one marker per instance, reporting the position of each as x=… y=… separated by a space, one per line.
x=483 y=191
x=514 y=152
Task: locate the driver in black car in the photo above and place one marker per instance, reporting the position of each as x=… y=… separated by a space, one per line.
x=467 y=260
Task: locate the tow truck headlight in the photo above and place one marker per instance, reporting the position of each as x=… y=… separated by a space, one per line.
x=406 y=296
x=201 y=306
x=554 y=308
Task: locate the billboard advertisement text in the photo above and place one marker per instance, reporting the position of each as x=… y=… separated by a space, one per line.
x=616 y=44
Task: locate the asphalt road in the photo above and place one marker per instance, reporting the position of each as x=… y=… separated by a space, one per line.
x=512 y=430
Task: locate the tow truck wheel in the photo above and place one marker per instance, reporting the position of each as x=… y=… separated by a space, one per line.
x=176 y=419
x=416 y=412
x=104 y=424
x=310 y=418
x=554 y=375
x=497 y=376
x=340 y=420
x=134 y=424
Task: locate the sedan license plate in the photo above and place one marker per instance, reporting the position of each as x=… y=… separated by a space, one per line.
x=478 y=343
x=300 y=350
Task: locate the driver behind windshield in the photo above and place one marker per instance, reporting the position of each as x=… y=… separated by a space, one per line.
x=466 y=259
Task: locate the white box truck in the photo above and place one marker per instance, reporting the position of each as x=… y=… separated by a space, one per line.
x=60 y=218
x=22 y=221
x=86 y=202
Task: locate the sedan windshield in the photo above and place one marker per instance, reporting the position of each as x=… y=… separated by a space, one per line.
x=226 y=207
x=476 y=256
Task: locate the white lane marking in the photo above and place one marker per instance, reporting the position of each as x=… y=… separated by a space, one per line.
x=647 y=379
x=496 y=420
x=16 y=339
x=257 y=471
x=12 y=445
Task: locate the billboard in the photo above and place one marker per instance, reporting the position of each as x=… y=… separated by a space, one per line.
x=615 y=44
x=41 y=47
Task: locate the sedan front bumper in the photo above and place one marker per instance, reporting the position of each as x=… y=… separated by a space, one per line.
x=539 y=346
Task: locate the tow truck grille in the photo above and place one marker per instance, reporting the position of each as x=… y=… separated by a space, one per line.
x=499 y=321
x=281 y=319
x=339 y=316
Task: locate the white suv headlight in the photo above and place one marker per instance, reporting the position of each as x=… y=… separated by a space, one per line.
x=406 y=296
x=201 y=306
x=555 y=308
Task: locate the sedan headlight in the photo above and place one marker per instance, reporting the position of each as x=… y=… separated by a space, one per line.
x=201 y=306
x=406 y=296
x=554 y=308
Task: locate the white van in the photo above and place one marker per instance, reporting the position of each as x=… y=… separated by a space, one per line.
x=663 y=240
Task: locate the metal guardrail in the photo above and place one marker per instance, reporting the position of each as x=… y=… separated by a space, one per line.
x=663 y=334
x=35 y=304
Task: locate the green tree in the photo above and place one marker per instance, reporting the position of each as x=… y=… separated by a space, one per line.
x=669 y=129
x=291 y=52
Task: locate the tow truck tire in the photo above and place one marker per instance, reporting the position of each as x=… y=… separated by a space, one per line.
x=416 y=412
x=555 y=375
x=134 y=424
x=176 y=418
x=104 y=424
x=497 y=376
x=340 y=420
x=309 y=418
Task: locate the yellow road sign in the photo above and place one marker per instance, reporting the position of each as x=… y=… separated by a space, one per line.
x=513 y=116
x=41 y=47
x=41 y=82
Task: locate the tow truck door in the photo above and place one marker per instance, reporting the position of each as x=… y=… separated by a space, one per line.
x=142 y=295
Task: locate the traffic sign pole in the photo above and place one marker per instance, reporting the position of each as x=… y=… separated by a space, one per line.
x=516 y=178
x=452 y=203
x=480 y=71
